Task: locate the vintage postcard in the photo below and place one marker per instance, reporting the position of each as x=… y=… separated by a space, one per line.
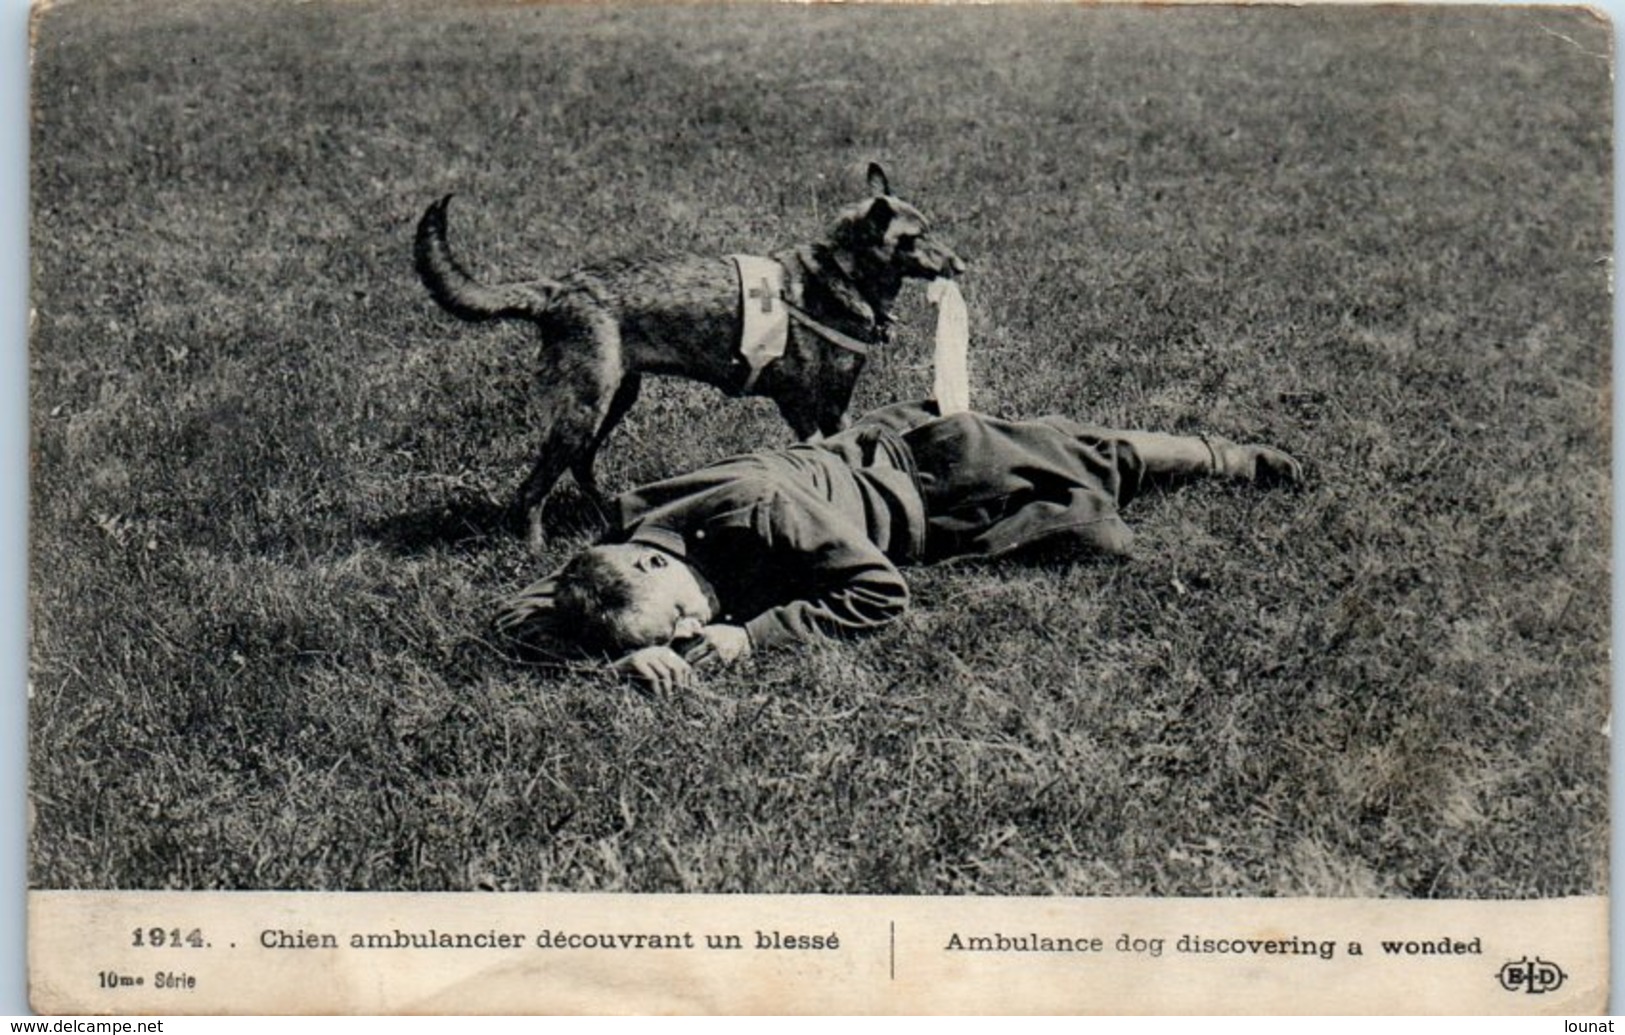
x=819 y=508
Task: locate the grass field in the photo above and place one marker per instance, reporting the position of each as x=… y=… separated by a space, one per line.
x=264 y=461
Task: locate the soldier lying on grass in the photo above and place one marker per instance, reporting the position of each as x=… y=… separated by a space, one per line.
x=798 y=544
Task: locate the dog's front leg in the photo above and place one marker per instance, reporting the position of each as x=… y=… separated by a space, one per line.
x=798 y=412
x=836 y=400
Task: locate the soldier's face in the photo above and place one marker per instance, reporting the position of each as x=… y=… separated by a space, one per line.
x=668 y=602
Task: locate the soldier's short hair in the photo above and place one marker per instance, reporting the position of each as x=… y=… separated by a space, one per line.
x=593 y=600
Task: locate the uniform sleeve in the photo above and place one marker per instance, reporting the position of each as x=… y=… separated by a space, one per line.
x=843 y=583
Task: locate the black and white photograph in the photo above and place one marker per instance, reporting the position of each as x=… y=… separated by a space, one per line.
x=985 y=451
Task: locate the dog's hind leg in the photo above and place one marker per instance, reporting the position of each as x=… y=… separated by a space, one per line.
x=563 y=448
x=551 y=462
x=584 y=375
x=619 y=404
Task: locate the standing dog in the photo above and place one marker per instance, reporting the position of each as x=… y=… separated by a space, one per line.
x=821 y=305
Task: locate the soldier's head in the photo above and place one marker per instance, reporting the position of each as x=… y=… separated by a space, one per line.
x=613 y=598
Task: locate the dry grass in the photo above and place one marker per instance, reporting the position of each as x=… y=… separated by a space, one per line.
x=263 y=461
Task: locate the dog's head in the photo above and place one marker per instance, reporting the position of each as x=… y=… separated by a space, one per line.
x=888 y=239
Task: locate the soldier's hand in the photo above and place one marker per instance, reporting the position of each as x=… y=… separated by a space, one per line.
x=724 y=643
x=662 y=668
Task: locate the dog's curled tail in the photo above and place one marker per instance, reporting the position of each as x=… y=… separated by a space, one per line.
x=456 y=291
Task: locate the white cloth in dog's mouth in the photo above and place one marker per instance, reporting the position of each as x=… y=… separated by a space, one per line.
x=951 y=380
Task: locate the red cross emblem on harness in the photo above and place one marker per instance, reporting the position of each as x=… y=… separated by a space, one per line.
x=764 y=331
x=764 y=294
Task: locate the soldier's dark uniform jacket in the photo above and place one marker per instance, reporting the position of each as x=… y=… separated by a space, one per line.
x=805 y=542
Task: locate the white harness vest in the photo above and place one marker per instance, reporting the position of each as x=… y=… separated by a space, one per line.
x=766 y=319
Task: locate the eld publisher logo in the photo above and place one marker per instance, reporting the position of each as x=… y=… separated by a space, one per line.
x=1532 y=976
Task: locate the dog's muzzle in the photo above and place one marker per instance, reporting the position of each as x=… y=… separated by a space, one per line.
x=940 y=262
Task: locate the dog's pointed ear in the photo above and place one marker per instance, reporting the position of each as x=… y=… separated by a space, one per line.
x=532 y=606
x=877 y=180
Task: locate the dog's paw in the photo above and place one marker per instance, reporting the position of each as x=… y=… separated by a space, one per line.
x=526 y=523
x=536 y=535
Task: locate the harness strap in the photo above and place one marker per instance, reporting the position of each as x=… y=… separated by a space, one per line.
x=829 y=334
